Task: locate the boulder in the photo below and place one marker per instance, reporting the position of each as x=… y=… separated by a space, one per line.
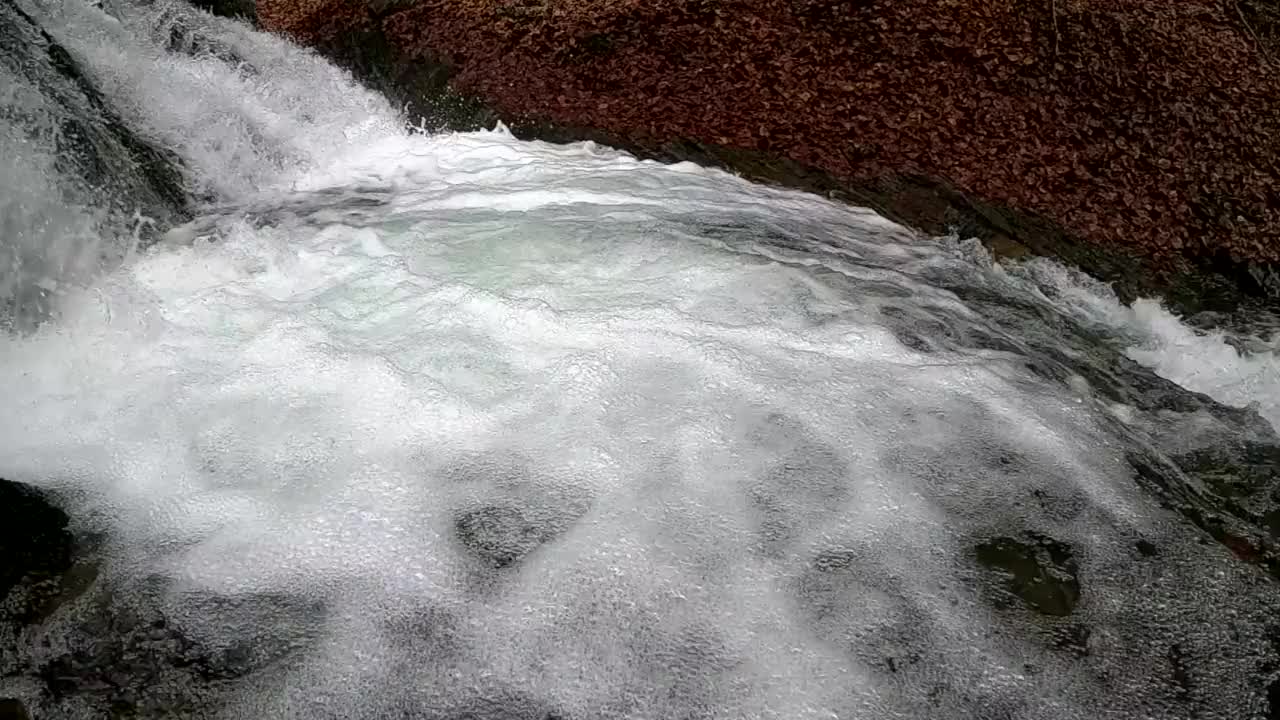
x=1132 y=139
x=34 y=541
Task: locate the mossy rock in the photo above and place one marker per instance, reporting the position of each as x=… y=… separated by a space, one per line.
x=1039 y=570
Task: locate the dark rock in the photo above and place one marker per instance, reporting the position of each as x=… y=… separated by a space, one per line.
x=1178 y=670
x=1273 y=700
x=1272 y=523
x=1227 y=491
x=122 y=656
x=833 y=560
x=502 y=535
x=246 y=9
x=267 y=628
x=916 y=330
x=510 y=510
x=34 y=541
x=1239 y=469
x=11 y=709
x=382 y=8
x=1040 y=571
x=1073 y=638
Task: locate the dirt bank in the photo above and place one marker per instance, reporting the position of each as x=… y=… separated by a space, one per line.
x=1067 y=126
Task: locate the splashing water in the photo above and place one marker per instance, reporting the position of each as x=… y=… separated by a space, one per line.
x=462 y=426
x=1242 y=373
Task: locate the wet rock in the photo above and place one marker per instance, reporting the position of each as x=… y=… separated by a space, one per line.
x=1273 y=700
x=1178 y=674
x=1073 y=638
x=502 y=535
x=1227 y=490
x=985 y=340
x=130 y=186
x=834 y=560
x=1040 y=571
x=245 y=9
x=11 y=709
x=500 y=704
x=1239 y=469
x=122 y=656
x=1223 y=487
x=35 y=544
x=177 y=35
x=264 y=628
x=1272 y=523
x=917 y=331
x=96 y=140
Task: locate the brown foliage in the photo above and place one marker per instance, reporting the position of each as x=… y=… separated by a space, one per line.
x=1148 y=123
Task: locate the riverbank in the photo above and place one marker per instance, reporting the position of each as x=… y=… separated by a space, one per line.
x=1133 y=138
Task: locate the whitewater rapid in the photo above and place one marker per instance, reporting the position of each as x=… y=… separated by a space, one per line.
x=523 y=430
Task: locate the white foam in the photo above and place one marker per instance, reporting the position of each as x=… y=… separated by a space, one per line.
x=1204 y=362
x=246 y=111
x=308 y=407
x=656 y=395
x=47 y=242
x=1199 y=360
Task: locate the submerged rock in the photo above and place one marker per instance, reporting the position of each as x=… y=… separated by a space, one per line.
x=501 y=535
x=1040 y=571
x=510 y=514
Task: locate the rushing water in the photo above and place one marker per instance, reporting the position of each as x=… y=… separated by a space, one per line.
x=413 y=426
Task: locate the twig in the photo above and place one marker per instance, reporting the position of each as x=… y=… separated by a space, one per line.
x=1262 y=49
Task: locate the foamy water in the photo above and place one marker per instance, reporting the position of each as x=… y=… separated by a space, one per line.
x=544 y=431
x=1199 y=360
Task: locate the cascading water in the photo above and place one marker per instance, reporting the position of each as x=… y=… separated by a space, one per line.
x=458 y=426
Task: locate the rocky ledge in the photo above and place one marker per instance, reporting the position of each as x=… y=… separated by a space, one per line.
x=1136 y=139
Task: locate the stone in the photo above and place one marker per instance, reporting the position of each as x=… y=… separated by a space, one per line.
x=1273 y=700
x=245 y=9
x=34 y=540
x=1039 y=570
x=501 y=535
x=11 y=709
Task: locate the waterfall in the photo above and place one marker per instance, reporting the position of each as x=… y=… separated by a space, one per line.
x=354 y=421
